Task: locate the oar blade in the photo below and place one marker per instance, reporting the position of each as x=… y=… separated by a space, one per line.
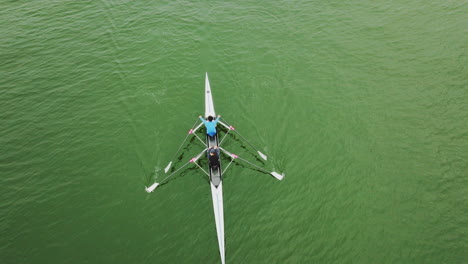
x=168 y=167
x=263 y=156
x=152 y=187
x=277 y=175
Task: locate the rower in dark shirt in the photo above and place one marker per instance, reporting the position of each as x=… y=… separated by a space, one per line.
x=214 y=158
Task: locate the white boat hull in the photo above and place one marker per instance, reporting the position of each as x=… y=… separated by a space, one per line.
x=215 y=182
x=209 y=106
x=217 y=195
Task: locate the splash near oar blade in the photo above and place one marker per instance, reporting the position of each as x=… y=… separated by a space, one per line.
x=152 y=187
x=262 y=155
x=277 y=175
x=167 y=167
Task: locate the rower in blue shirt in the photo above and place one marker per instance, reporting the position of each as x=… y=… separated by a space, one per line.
x=210 y=125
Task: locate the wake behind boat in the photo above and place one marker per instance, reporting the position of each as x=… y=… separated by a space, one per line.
x=215 y=173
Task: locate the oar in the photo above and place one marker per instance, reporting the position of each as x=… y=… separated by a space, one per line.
x=170 y=163
x=263 y=156
x=273 y=173
x=156 y=184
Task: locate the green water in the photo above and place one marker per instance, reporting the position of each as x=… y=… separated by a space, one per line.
x=361 y=103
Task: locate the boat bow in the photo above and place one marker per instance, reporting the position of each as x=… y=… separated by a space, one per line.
x=209 y=106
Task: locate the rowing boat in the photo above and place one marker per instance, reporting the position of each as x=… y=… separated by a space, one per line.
x=215 y=174
x=216 y=180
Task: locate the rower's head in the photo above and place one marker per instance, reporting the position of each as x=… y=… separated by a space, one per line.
x=212 y=152
x=210 y=118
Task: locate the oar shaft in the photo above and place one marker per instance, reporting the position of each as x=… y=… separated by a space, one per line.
x=183 y=166
x=175 y=171
x=245 y=140
x=181 y=145
x=232 y=128
x=251 y=164
x=234 y=156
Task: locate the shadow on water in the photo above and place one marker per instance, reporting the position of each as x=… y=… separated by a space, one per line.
x=243 y=166
x=190 y=145
x=251 y=152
